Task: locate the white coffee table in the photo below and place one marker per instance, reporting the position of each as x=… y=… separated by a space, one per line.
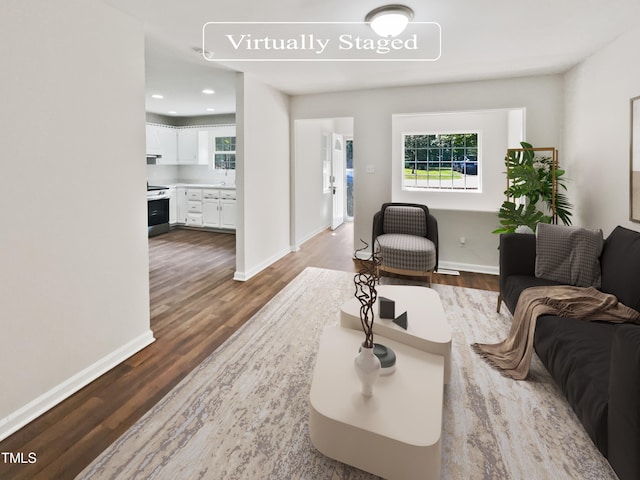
x=428 y=329
x=396 y=432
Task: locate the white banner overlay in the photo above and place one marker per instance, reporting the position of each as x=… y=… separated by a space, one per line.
x=318 y=42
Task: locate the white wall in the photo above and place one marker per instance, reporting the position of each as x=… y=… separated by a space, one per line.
x=262 y=176
x=74 y=286
x=492 y=127
x=597 y=137
x=312 y=206
x=372 y=111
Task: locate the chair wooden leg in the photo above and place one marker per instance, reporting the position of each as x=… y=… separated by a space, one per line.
x=499 y=303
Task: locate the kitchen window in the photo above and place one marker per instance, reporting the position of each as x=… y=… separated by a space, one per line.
x=225 y=153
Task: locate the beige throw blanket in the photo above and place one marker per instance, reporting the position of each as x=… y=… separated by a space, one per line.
x=513 y=355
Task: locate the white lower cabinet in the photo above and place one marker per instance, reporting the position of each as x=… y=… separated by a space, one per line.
x=211 y=208
x=228 y=213
x=194 y=213
x=173 y=206
x=194 y=220
x=194 y=206
x=181 y=205
x=206 y=207
x=228 y=209
x=220 y=209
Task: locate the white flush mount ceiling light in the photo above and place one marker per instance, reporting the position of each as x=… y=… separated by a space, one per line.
x=389 y=20
x=157 y=95
x=208 y=91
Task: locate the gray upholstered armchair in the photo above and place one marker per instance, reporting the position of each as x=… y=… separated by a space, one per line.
x=406 y=235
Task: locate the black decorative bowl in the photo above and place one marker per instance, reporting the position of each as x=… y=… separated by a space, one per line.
x=387 y=358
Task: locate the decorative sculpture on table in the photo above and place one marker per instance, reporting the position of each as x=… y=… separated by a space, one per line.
x=366 y=363
x=387 y=308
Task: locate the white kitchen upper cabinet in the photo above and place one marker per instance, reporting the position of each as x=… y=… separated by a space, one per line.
x=153 y=139
x=187 y=146
x=168 y=145
x=194 y=145
x=205 y=146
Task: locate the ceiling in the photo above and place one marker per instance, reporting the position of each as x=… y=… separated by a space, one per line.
x=480 y=40
x=180 y=78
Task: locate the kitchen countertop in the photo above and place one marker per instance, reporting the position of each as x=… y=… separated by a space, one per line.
x=204 y=185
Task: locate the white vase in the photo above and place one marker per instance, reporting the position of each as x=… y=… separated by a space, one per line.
x=368 y=369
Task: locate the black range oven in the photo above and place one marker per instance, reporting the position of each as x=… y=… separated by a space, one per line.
x=158 y=210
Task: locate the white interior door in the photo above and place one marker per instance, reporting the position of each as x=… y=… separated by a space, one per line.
x=337 y=179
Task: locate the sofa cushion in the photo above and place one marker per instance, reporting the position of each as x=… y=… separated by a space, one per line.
x=577 y=354
x=569 y=255
x=624 y=402
x=515 y=284
x=407 y=252
x=620 y=262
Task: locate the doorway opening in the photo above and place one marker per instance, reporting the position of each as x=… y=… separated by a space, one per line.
x=323 y=194
x=337 y=180
x=349 y=174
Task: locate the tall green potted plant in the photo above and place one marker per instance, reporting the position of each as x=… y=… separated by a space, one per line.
x=535 y=192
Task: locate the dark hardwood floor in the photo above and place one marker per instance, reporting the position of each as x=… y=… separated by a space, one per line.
x=195 y=306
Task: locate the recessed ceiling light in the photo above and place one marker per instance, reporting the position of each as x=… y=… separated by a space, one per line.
x=208 y=91
x=156 y=95
x=389 y=20
x=211 y=109
x=172 y=112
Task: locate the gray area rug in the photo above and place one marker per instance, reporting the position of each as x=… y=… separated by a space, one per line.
x=242 y=414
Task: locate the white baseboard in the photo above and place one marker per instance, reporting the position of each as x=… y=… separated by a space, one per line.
x=244 y=276
x=32 y=410
x=465 y=267
x=240 y=276
x=308 y=237
x=469 y=267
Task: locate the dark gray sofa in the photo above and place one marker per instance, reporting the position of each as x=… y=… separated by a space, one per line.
x=595 y=364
